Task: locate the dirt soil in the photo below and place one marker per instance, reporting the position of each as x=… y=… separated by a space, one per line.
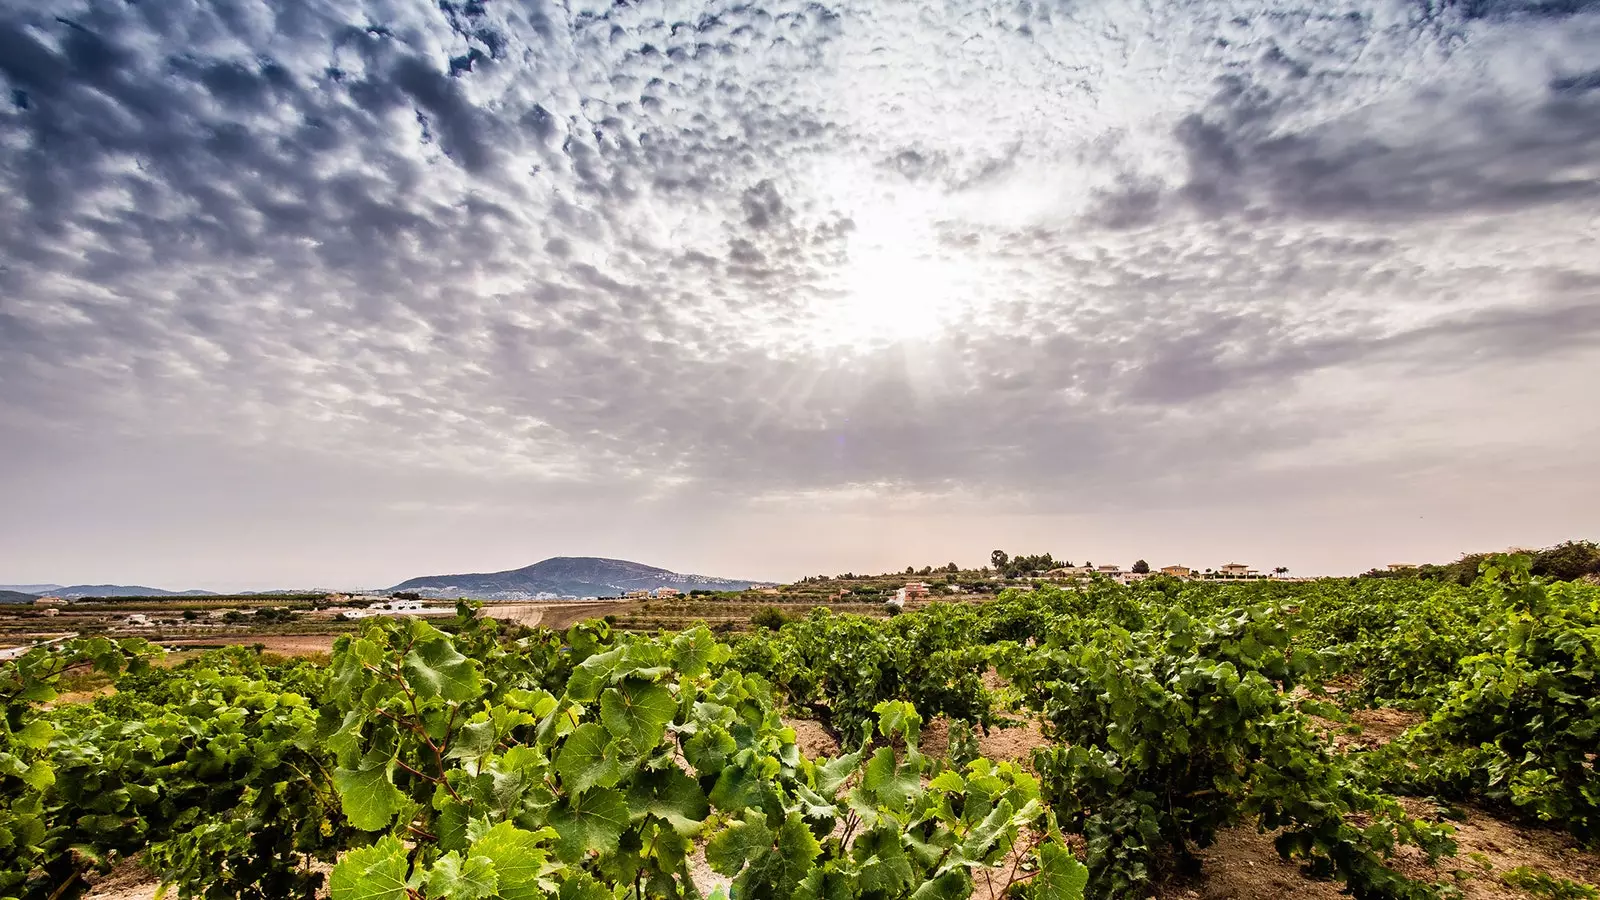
x=813 y=739
x=1373 y=727
x=1488 y=846
x=127 y=880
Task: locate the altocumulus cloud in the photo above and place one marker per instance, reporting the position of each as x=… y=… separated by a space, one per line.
x=1109 y=252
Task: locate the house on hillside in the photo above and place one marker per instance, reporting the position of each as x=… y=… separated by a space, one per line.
x=1109 y=570
x=1237 y=570
x=666 y=592
x=915 y=590
x=636 y=595
x=1069 y=572
x=1178 y=571
x=1400 y=567
x=49 y=601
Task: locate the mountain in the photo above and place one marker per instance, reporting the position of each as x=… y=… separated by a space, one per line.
x=17 y=597
x=30 y=588
x=564 y=576
x=78 y=591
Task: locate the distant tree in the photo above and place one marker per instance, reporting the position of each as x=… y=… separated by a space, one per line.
x=1567 y=561
x=999 y=558
x=1141 y=568
x=770 y=618
x=1281 y=570
x=190 y=615
x=911 y=570
x=926 y=570
x=952 y=568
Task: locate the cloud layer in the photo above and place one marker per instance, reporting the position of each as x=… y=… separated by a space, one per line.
x=837 y=257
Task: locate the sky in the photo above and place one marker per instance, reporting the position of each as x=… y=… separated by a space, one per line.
x=315 y=293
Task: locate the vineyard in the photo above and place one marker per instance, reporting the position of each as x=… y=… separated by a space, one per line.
x=465 y=760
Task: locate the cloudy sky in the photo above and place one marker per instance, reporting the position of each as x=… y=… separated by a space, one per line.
x=308 y=292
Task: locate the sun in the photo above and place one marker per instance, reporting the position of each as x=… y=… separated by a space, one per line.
x=897 y=283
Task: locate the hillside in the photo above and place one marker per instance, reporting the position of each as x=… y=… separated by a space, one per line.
x=564 y=576
x=79 y=591
x=16 y=597
x=31 y=588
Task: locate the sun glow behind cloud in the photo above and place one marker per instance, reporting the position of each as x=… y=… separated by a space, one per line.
x=898 y=283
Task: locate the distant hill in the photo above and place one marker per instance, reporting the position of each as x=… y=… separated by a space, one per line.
x=30 y=588
x=79 y=591
x=564 y=576
x=17 y=597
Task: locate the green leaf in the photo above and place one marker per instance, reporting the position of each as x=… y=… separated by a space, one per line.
x=451 y=825
x=36 y=735
x=371 y=873
x=472 y=742
x=740 y=842
x=458 y=879
x=638 y=712
x=592 y=821
x=586 y=761
x=519 y=859
x=437 y=669
x=593 y=674
x=885 y=869
x=368 y=797
x=582 y=886
x=1061 y=876
x=891 y=785
x=898 y=716
x=40 y=776
x=952 y=885
x=675 y=797
x=693 y=651
x=833 y=773
x=983 y=835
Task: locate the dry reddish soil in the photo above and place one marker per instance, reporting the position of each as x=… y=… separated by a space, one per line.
x=812 y=738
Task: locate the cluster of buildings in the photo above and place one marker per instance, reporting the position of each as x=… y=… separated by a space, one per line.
x=660 y=593
x=1228 y=572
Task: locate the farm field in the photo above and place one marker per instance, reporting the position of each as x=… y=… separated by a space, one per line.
x=1380 y=738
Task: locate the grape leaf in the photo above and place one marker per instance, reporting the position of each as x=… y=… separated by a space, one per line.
x=1061 y=876
x=368 y=797
x=593 y=674
x=437 y=669
x=591 y=821
x=585 y=760
x=462 y=879
x=518 y=857
x=739 y=843
x=371 y=873
x=693 y=651
x=637 y=712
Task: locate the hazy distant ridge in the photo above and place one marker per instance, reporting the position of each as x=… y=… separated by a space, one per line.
x=76 y=591
x=565 y=576
x=36 y=589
